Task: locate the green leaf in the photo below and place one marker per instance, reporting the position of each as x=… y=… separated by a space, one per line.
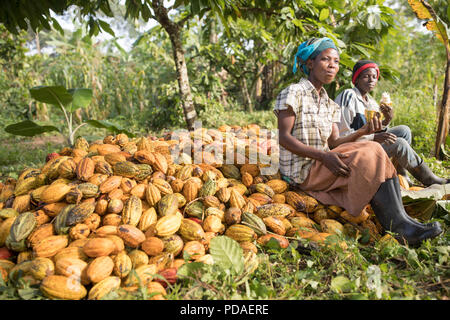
x=55 y=95
x=422 y=204
x=57 y=26
x=109 y=126
x=227 y=253
x=190 y=269
x=341 y=284
x=81 y=98
x=106 y=27
x=448 y=12
x=324 y=14
x=28 y=128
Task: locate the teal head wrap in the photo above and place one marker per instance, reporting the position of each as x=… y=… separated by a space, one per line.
x=309 y=50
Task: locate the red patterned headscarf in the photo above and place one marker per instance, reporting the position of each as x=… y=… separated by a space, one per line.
x=362 y=65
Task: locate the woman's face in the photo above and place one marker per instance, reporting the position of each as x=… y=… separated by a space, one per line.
x=325 y=66
x=367 y=80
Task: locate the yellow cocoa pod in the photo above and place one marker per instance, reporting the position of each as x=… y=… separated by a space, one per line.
x=236 y=199
x=148 y=218
x=102 y=288
x=132 y=211
x=194 y=249
x=71 y=252
x=331 y=226
x=41 y=267
x=282 y=241
x=240 y=233
x=100 y=268
x=168 y=225
x=275 y=224
x=122 y=264
x=277 y=185
x=72 y=268
x=138 y=258
x=50 y=246
x=22 y=203
x=5 y=228
x=191 y=230
x=62 y=287
x=152 y=194
x=363 y=216
x=142 y=275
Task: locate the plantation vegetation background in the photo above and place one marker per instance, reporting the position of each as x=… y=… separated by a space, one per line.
x=235 y=73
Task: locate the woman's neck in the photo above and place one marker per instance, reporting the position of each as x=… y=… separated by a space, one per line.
x=316 y=83
x=363 y=93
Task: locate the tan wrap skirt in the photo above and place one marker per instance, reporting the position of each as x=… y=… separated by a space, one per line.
x=369 y=167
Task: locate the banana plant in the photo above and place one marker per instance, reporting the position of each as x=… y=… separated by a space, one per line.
x=69 y=101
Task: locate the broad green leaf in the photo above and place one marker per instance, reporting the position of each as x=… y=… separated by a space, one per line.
x=319 y=3
x=227 y=253
x=81 y=98
x=28 y=128
x=324 y=14
x=341 y=284
x=422 y=204
x=109 y=126
x=55 y=95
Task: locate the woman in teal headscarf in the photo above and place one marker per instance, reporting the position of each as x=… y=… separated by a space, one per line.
x=352 y=174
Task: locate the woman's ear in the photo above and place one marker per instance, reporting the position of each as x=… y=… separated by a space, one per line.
x=309 y=64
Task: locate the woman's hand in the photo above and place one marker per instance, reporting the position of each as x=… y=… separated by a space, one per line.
x=384 y=137
x=388 y=113
x=372 y=125
x=332 y=160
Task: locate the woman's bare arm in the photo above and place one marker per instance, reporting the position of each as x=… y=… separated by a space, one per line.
x=332 y=160
x=286 y=120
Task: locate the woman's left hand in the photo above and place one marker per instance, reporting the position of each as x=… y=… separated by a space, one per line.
x=387 y=111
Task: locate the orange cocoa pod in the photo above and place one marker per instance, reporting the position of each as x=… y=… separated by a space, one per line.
x=111 y=183
x=131 y=235
x=152 y=246
x=98 y=247
x=85 y=169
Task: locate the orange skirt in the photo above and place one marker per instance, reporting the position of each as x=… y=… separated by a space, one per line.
x=369 y=167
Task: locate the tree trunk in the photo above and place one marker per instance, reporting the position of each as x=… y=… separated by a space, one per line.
x=38 y=43
x=442 y=130
x=246 y=95
x=174 y=32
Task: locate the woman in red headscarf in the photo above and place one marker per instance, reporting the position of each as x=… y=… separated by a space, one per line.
x=396 y=141
x=336 y=170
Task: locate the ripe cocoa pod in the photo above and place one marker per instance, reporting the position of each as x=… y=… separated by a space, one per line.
x=98 y=247
x=61 y=287
x=130 y=235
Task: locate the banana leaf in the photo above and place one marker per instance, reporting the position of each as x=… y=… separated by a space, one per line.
x=426 y=203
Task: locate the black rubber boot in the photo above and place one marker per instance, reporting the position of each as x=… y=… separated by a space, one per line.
x=425 y=176
x=398 y=192
x=388 y=208
x=402 y=171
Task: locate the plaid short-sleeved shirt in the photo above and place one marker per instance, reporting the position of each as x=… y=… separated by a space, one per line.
x=313 y=125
